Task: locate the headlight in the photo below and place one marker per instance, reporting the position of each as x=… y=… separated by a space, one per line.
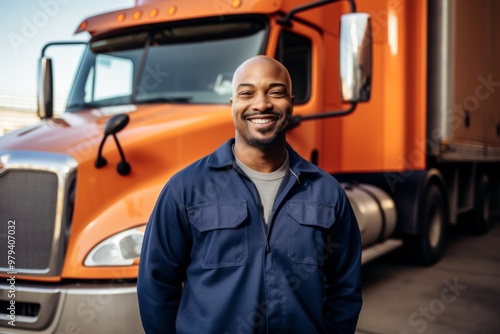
x=122 y=249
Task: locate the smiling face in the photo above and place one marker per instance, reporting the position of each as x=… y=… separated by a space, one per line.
x=261 y=102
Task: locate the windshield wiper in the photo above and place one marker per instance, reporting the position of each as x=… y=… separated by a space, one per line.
x=83 y=105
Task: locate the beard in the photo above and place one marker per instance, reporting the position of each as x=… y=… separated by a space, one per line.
x=278 y=136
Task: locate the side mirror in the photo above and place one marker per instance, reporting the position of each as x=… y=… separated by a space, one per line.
x=116 y=124
x=355 y=57
x=45 y=89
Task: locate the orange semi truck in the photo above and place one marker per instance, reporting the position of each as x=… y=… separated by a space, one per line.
x=405 y=114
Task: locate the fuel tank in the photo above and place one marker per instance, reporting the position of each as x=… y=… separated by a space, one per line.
x=375 y=211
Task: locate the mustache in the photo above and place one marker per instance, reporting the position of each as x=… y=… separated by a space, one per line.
x=267 y=113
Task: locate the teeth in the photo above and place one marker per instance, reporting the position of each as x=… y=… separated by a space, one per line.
x=261 y=120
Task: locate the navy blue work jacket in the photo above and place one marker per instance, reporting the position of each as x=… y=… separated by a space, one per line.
x=209 y=265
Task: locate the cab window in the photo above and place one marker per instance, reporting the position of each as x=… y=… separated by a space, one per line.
x=294 y=51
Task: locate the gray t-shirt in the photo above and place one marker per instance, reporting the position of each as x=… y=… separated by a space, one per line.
x=267 y=184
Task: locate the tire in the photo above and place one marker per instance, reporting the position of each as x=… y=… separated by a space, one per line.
x=482 y=205
x=428 y=247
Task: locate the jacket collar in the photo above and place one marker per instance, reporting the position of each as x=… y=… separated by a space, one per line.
x=223 y=158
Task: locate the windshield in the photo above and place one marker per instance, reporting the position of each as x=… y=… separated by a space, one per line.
x=191 y=63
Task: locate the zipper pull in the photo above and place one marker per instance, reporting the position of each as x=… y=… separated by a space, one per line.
x=268 y=248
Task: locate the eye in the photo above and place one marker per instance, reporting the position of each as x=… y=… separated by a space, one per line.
x=276 y=93
x=245 y=93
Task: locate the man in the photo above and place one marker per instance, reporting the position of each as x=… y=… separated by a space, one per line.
x=252 y=238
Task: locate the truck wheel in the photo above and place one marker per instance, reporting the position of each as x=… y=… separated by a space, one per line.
x=482 y=203
x=428 y=247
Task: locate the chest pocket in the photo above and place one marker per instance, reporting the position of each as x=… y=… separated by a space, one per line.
x=221 y=233
x=308 y=240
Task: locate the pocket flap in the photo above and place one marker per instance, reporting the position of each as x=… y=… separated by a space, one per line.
x=207 y=217
x=312 y=214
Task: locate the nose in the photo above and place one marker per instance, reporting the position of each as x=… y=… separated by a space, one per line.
x=262 y=102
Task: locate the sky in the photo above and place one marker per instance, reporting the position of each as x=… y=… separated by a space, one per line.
x=26 y=26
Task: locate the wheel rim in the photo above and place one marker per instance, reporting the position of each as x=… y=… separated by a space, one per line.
x=435 y=228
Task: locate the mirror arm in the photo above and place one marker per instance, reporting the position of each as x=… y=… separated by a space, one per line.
x=286 y=20
x=46 y=46
x=352 y=3
x=295 y=121
x=114 y=125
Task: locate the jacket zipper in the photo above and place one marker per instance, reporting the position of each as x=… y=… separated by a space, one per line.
x=261 y=208
x=265 y=226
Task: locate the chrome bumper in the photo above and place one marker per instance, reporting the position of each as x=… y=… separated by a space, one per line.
x=72 y=308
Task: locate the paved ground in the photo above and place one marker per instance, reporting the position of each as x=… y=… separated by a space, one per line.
x=459 y=295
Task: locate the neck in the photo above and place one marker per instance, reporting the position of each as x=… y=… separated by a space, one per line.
x=266 y=160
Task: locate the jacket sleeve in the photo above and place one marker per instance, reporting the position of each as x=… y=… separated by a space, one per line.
x=343 y=299
x=162 y=267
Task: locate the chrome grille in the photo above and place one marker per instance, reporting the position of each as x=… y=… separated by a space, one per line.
x=28 y=199
x=34 y=189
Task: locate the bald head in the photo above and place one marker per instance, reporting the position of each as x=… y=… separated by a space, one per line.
x=261 y=64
